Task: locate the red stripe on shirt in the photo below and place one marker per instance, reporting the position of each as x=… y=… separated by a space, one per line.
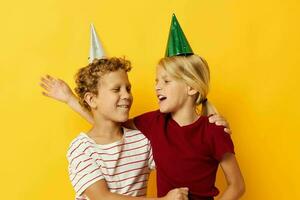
x=135 y=190
x=128 y=136
x=128 y=185
x=74 y=142
x=83 y=169
x=76 y=157
x=111 y=154
x=124 y=164
x=76 y=148
x=125 y=144
x=129 y=178
x=126 y=171
x=82 y=162
x=122 y=157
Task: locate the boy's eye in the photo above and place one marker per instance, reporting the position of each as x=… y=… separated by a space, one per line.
x=116 y=89
x=166 y=81
x=128 y=89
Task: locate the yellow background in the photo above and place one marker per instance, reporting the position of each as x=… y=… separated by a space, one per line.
x=252 y=47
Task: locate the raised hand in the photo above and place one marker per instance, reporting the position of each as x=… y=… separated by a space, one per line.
x=56 y=89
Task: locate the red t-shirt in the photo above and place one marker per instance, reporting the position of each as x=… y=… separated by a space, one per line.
x=186 y=156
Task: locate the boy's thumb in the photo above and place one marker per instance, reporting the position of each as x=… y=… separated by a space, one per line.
x=185 y=188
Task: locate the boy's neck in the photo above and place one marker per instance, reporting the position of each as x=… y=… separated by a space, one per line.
x=185 y=116
x=105 y=131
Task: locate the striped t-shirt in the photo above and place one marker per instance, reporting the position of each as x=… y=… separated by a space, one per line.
x=124 y=165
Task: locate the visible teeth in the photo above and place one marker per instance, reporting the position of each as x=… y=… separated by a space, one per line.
x=123 y=106
x=160 y=97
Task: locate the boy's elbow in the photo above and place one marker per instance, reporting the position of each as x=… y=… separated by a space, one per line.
x=241 y=188
x=238 y=187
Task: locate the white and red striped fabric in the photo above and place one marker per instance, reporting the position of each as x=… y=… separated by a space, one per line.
x=124 y=165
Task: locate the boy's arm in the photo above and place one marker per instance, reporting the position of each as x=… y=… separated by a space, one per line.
x=75 y=105
x=99 y=191
x=59 y=90
x=235 y=182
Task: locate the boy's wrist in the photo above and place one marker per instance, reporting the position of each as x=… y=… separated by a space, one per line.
x=71 y=100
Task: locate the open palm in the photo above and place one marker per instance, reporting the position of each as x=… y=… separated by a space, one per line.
x=56 y=88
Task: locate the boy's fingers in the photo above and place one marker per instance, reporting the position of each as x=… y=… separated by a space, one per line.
x=55 y=81
x=219 y=120
x=45 y=94
x=46 y=81
x=184 y=190
x=227 y=130
x=45 y=87
x=183 y=195
x=52 y=79
x=221 y=123
x=49 y=77
x=60 y=80
x=214 y=118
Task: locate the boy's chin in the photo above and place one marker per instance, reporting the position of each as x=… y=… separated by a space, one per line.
x=122 y=119
x=162 y=110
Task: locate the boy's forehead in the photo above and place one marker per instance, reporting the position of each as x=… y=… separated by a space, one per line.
x=115 y=77
x=161 y=72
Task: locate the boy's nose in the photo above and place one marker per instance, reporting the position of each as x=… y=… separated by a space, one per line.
x=157 y=87
x=126 y=95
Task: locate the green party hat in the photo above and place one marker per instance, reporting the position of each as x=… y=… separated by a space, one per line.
x=177 y=42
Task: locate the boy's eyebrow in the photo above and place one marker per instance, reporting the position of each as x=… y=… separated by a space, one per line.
x=163 y=77
x=120 y=85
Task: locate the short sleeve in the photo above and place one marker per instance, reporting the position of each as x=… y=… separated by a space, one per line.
x=221 y=142
x=83 y=169
x=145 y=122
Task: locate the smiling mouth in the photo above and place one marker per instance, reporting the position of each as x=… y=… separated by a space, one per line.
x=123 y=106
x=161 y=98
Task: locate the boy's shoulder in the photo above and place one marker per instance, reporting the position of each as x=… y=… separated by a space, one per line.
x=79 y=144
x=133 y=134
x=213 y=131
x=150 y=115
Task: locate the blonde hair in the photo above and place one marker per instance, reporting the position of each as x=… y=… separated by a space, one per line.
x=87 y=78
x=194 y=71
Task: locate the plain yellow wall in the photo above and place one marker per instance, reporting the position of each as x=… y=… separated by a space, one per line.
x=252 y=47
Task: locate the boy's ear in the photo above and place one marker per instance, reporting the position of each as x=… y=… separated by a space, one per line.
x=191 y=91
x=90 y=99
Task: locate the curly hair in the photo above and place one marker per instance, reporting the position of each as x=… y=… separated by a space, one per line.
x=87 y=78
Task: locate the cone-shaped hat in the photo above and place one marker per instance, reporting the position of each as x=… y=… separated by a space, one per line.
x=96 y=49
x=177 y=43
